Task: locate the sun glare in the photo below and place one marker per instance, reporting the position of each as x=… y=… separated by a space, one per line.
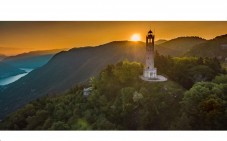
x=135 y=37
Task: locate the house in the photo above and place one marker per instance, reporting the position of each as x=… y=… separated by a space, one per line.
x=86 y=91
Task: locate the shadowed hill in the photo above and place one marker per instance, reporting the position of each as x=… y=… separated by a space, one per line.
x=160 y=41
x=216 y=47
x=179 y=46
x=66 y=69
x=31 y=59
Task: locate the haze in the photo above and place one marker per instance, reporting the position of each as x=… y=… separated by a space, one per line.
x=19 y=37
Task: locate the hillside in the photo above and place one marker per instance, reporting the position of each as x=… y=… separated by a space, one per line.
x=67 y=69
x=33 y=59
x=178 y=46
x=216 y=47
x=8 y=70
x=160 y=41
x=120 y=100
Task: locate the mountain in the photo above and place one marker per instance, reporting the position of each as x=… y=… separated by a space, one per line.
x=2 y=57
x=178 y=46
x=68 y=68
x=33 y=59
x=216 y=47
x=65 y=70
x=8 y=70
x=160 y=41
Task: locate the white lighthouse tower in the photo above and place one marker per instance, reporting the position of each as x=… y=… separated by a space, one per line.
x=150 y=71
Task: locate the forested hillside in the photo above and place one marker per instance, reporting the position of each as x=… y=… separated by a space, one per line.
x=120 y=100
x=216 y=47
x=179 y=46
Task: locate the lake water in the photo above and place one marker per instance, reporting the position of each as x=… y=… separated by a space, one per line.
x=12 y=79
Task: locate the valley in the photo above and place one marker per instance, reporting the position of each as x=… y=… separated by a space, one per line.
x=11 y=79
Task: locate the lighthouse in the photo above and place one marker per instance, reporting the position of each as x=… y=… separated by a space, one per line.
x=150 y=72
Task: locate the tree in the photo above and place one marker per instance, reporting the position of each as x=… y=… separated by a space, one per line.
x=204 y=107
x=201 y=73
x=81 y=124
x=59 y=125
x=127 y=71
x=33 y=122
x=220 y=79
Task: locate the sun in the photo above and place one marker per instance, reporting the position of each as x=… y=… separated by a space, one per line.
x=135 y=37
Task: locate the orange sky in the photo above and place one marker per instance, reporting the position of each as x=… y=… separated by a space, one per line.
x=18 y=37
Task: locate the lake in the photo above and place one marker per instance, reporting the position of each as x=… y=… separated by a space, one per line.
x=11 y=79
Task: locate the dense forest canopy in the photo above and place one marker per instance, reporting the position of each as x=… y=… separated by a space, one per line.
x=194 y=97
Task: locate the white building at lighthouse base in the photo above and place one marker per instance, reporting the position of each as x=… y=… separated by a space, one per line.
x=150 y=73
x=151 y=76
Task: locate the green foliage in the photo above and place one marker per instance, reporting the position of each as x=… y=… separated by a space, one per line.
x=224 y=65
x=120 y=100
x=59 y=125
x=188 y=70
x=201 y=73
x=204 y=107
x=221 y=79
x=126 y=72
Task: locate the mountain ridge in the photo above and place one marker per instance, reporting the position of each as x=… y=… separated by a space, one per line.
x=160 y=41
x=216 y=47
x=68 y=68
x=179 y=46
x=33 y=59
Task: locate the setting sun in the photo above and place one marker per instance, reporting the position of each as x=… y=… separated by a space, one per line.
x=135 y=37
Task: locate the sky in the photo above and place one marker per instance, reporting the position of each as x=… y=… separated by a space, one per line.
x=18 y=37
